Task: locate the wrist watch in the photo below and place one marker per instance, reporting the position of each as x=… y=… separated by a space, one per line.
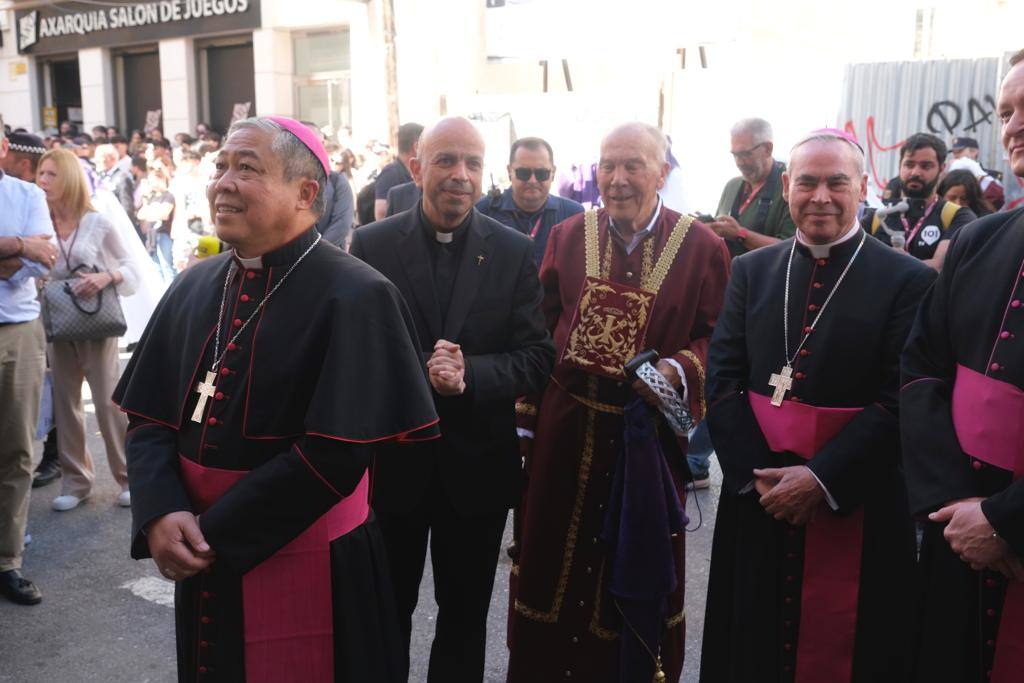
x=741 y=235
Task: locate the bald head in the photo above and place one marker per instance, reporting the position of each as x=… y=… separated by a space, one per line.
x=632 y=169
x=643 y=135
x=448 y=167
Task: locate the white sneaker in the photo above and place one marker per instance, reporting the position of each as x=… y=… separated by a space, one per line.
x=62 y=503
x=124 y=499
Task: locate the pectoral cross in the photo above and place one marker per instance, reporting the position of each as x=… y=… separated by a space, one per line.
x=480 y=259
x=782 y=383
x=205 y=391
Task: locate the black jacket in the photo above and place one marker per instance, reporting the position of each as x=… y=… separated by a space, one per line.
x=495 y=315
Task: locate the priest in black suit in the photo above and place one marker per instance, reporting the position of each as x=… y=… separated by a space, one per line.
x=812 y=567
x=472 y=286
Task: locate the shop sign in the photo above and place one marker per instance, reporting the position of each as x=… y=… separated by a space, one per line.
x=65 y=26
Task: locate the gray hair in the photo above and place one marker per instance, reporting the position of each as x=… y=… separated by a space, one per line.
x=653 y=132
x=825 y=136
x=759 y=129
x=297 y=160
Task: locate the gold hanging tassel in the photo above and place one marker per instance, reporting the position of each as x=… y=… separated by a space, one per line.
x=659 y=675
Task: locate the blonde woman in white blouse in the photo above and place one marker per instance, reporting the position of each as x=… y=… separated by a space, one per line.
x=85 y=237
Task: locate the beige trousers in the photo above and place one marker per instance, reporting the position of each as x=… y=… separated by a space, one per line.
x=71 y=362
x=22 y=364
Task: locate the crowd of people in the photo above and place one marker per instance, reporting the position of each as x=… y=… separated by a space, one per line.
x=577 y=359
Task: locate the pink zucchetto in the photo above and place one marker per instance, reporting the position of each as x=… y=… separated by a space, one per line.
x=307 y=137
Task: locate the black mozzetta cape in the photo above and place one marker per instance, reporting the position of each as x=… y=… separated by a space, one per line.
x=329 y=364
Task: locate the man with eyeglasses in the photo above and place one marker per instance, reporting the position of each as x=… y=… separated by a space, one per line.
x=752 y=212
x=528 y=206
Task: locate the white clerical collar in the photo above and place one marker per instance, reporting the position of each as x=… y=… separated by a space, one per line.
x=639 y=235
x=444 y=237
x=822 y=250
x=254 y=263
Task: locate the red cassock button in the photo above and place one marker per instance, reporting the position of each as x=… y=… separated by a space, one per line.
x=787 y=647
x=237 y=322
x=232 y=346
x=812 y=308
x=206 y=595
x=219 y=396
x=990 y=643
x=800 y=375
x=808 y=329
x=995 y=366
x=212 y=422
x=1004 y=335
x=1015 y=303
x=804 y=352
x=817 y=285
x=202 y=669
x=790 y=578
x=250 y=275
x=224 y=372
x=990 y=612
x=788 y=601
x=244 y=297
x=976 y=464
x=203 y=644
x=991 y=583
x=205 y=620
x=822 y=262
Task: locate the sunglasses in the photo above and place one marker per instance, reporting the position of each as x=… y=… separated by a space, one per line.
x=542 y=174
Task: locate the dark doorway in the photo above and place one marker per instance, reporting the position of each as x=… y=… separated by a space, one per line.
x=67 y=91
x=229 y=80
x=141 y=87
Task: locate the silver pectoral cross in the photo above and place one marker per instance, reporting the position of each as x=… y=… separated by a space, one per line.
x=782 y=383
x=205 y=390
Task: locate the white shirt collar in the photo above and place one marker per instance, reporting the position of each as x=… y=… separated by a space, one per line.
x=822 y=250
x=254 y=263
x=443 y=237
x=639 y=235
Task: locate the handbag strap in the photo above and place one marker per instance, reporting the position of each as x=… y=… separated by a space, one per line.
x=74 y=298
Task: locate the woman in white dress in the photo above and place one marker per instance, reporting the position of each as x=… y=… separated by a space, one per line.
x=85 y=237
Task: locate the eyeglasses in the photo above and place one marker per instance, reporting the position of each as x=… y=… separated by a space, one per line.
x=523 y=174
x=747 y=153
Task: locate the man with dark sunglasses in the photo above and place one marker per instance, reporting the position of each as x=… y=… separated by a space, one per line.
x=528 y=205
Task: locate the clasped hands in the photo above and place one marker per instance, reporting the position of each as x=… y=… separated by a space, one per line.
x=177 y=545
x=972 y=537
x=446 y=369
x=789 y=494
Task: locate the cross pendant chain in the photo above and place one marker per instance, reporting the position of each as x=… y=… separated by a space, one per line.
x=205 y=389
x=781 y=382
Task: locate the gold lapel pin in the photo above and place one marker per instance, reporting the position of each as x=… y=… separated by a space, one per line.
x=479 y=259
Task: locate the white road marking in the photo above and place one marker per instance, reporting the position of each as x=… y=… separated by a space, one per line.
x=153 y=589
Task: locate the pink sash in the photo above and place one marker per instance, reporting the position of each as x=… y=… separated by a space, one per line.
x=988 y=416
x=832 y=545
x=289 y=633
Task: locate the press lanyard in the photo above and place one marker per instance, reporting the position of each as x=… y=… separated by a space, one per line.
x=753 y=193
x=917 y=227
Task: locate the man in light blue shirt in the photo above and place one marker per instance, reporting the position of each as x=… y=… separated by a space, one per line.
x=26 y=252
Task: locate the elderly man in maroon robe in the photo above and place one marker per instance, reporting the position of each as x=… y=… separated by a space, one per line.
x=962 y=408
x=620 y=280
x=253 y=396
x=812 y=565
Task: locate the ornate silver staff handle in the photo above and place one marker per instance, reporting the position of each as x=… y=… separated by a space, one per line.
x=670 y=404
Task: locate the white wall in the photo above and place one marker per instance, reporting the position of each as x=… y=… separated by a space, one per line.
x=96 y=74
x=19 y=98
x=178 y=86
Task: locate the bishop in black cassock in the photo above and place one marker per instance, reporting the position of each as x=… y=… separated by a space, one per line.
x=813 y=556
x=262 y=376
x=963 y=437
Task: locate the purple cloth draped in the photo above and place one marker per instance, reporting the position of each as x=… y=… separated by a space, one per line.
x=644 y=512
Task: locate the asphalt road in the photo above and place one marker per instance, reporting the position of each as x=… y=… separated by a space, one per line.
x=105 y=617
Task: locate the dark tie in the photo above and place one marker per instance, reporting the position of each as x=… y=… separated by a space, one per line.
x=444 y=276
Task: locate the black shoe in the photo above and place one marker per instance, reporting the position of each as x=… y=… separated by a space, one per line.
x=47 y=472
x=17 y=588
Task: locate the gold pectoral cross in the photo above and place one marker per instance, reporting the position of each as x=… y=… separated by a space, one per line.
x=205 y=390
x=782 y=383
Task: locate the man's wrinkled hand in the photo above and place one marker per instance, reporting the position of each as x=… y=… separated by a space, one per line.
x=969 y=533
x=446 y=369
x=794 y=496
x=40 y=248
x=177 y=545
x=725 y=227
